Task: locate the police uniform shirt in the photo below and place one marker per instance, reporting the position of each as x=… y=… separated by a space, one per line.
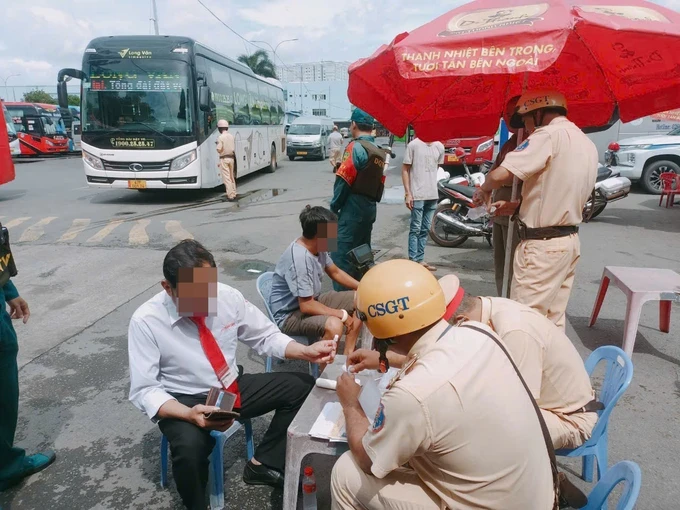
x=226 y=144
x=464 y=423
x=550 y=364
x=558 y=167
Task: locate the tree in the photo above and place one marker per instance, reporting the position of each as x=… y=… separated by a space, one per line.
x=260 y=63
x=73 y=100
x=39 y=96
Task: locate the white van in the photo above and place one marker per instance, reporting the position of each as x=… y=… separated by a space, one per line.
x=308 y=137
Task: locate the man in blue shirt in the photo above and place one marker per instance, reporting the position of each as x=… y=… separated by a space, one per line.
x=296 y=301
x=359 y=184
x=15 y=465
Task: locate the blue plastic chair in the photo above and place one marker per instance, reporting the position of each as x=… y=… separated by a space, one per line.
x=264 y=289
x=625 y=471
x=618 y=375
x=216 y=469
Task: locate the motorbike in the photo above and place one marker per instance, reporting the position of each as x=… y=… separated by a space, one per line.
x=609 y=187
x=457 y=218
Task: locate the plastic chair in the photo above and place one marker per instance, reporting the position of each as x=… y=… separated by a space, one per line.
x=670 y=186
x=264 y=289
x=216 y=469
x=618 y=375
x=625 y=471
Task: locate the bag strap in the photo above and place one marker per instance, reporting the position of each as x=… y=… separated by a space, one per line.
x=544 y=427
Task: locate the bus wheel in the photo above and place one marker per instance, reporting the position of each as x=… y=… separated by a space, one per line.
x=273 y=165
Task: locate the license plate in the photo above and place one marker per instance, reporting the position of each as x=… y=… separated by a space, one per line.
x=452 y=159
x=301 y=153
x=137 y=184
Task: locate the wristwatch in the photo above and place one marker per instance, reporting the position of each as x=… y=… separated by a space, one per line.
x=345 y=316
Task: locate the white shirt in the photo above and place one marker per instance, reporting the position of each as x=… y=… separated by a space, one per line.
x=424 y=159
x=336 y=140
x=165 y=350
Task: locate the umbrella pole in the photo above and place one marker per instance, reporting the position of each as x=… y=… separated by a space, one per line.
x=511 y=223
x=508 y=241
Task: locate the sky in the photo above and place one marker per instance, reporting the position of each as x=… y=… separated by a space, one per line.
x=39 y=37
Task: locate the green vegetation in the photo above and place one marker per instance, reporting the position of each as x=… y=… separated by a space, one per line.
x=260 y=63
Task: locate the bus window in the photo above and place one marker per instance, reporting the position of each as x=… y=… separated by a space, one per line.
x=131 y=96
x=264 y=103
x=222 y=91
x=241 y=110
x=253 y=103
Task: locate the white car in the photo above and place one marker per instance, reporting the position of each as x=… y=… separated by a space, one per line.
x=645 y=158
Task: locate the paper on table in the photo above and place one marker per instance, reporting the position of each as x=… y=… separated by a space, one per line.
x=330 y=424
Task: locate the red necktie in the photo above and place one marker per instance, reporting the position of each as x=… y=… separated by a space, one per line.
x=215 y=357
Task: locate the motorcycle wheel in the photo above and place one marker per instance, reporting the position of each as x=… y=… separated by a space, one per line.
x=441 y=237
x=596 y=212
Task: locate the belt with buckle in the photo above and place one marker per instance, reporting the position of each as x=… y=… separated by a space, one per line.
x=591 y=407
x=544 y=232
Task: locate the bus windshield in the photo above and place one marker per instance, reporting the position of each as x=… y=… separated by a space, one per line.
x=9 y=123
x=136 y=96
x=304 y=129
x=36 y=121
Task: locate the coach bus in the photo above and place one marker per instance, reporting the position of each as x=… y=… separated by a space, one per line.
x=149 y=112
x=14 y=149
x=39 y=127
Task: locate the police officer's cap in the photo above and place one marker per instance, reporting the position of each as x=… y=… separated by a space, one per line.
x=361 y=117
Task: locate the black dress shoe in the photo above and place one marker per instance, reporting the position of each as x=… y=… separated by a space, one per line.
x=262 y=475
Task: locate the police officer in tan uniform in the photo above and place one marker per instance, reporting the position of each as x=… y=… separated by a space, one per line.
x=547 y=359
x=557 y=165
x=442 y=436
x=226 y=149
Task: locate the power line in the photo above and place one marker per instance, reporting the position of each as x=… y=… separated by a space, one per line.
x=260 y=47
x=227 y=26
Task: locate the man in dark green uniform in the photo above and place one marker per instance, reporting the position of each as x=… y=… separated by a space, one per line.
x=15 y=465
x=359 y=184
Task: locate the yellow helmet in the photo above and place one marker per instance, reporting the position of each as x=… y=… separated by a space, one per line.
x=535 y=100
x=398 y=297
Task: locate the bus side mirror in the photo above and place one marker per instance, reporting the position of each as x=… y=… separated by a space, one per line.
x=62 y=94
x=204 y=98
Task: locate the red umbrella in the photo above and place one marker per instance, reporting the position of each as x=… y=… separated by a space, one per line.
x=452 y=77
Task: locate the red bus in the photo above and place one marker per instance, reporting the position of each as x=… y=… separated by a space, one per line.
x=6 y=165
x=39 y=127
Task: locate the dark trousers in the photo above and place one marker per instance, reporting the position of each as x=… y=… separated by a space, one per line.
x=190 y=446
x=355 y=226
x=11 y=457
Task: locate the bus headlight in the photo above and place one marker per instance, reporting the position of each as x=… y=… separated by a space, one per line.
x=183 y=160
x=93 y=161
x=316 y=144
x=485 y=146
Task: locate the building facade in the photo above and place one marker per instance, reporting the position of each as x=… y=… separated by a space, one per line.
x=319 y=98
x=313 y=72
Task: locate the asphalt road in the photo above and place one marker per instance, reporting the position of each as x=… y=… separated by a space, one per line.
x=87 y=258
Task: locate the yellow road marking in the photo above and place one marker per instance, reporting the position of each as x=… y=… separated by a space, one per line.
x=16 y=222
x=77 y=227
x=101 y=235
x=36 y=231
x=138 y=235
x=175 y=229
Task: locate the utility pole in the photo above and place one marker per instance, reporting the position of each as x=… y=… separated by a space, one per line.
x=155 y=16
